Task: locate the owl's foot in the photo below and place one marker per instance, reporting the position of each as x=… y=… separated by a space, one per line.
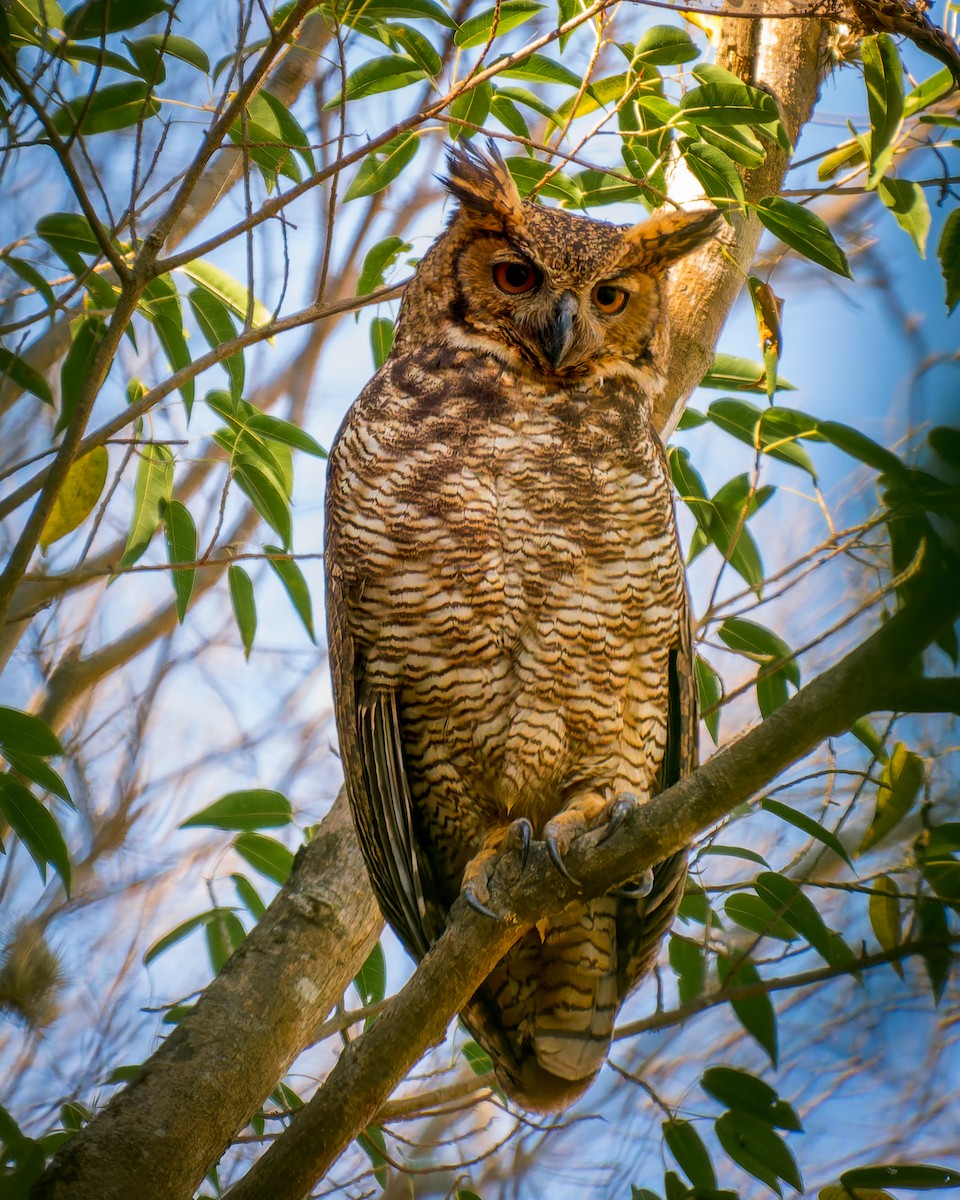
x=476 y=876
x=584 y=814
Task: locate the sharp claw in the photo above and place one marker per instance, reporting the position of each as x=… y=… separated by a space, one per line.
x=557 y=858
x=521 y=833
x=477 y=906
x=618 y=814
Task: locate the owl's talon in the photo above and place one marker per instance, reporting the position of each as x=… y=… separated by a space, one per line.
x=621 y=809
x=477 y=905
x=519 y=837
x=553 y=849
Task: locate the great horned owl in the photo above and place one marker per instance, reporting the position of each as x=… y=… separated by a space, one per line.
x=508 y=623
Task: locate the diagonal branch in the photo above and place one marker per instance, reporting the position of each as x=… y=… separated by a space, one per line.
x=417 y=1017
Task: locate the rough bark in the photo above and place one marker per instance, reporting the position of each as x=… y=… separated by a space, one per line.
x=159 y=1136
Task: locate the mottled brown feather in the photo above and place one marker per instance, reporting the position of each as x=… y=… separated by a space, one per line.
x=508 y=622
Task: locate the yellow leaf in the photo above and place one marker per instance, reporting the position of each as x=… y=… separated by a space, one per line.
x=80 y=492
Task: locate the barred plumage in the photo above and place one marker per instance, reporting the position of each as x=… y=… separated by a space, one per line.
x=507 y=613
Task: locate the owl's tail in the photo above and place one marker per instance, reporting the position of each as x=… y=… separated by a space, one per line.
x=546 y=1014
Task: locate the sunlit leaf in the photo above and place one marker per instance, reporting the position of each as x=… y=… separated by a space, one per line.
x=77 y=497
x=804 y=232
x=908 y=204
x=382 y=167
x=255 y=808
x=244 y=605
x=152 y=489
x=470 y=109
x=378 y=260
x=898 y=791
x=475 y=31
x=883 y=76
x=295 y=585
x=111 y=107
x=216 y=324
x=227 y=289
x=383 y=74
x=266 y=855
x=709 y=694
x=99 y=17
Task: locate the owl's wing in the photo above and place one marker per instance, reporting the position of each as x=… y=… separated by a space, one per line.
x=376 y=780
x=642 y=924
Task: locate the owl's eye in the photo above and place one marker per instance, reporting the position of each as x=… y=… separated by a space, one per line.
x=515 y=278
x=610 y=299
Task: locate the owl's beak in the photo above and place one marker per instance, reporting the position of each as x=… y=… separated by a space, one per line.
x=558 y=335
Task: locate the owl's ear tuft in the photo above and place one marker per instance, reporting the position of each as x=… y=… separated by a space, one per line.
x=658 y=243
x=482 y=183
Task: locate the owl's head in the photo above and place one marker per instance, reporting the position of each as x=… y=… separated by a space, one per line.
x=544 y=289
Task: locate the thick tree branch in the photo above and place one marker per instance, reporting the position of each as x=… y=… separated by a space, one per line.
x=417 y=1017
x=158 y=1137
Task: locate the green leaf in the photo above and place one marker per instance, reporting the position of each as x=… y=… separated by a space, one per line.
x=773 y=430
x=899 y=789
x=755 y=1013
x=35 y=827
x=244 y=606
x=809 y=826
x=99 y=56
x=687 y=961
x=30 y=275
x=883 y=76
x=908 y=204
x=26 y=734
x=737 y=852
x=928 y=92
x=184 y=929
x=114 y=106
x=38 y=771
x=529 y=172
x=98 y=17
x=266 y=855
x=509 y=116
x=475 y=31
x=382 y=167
x=255 y=808
x=885 y=918
x=249 y=896
x=692 y=1156
x=804 y=232
x=169 y=44
x=761 y=1152
x=267 y=498
x=787 y=900
x=378 y=260
x=77 y=497
x=12 y=366
x=469 y=109
x=915 y=1176
x=419 y=48
x=537 y=68
x=665 y=46
x=848 y=154
x=383 y=74
x=425 y=10
x=216 y=324
x=859 y=446
x=381 y=340
x=709 y=695
x=715 y=172
x=228 y=290
x=77 y=367
x=479 y=1060
x=291 y=132
x=292 y=578
x=948 y=252
x=755 y=914
x=736 y=141
x=70 y=236
x=160 y=304
x=745 y=1093
x=152 y=489
x=717 y=105
x=522 y=96
x=938 y=954
x=760 y=645
x=732 y=373
x=371 y=980
x=181 y=536
x=276 y=429
x=373 y=1144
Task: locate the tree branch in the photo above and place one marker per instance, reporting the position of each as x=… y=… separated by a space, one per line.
x=417 y=1017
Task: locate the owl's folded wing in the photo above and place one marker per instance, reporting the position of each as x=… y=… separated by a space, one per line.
x=376 y=780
